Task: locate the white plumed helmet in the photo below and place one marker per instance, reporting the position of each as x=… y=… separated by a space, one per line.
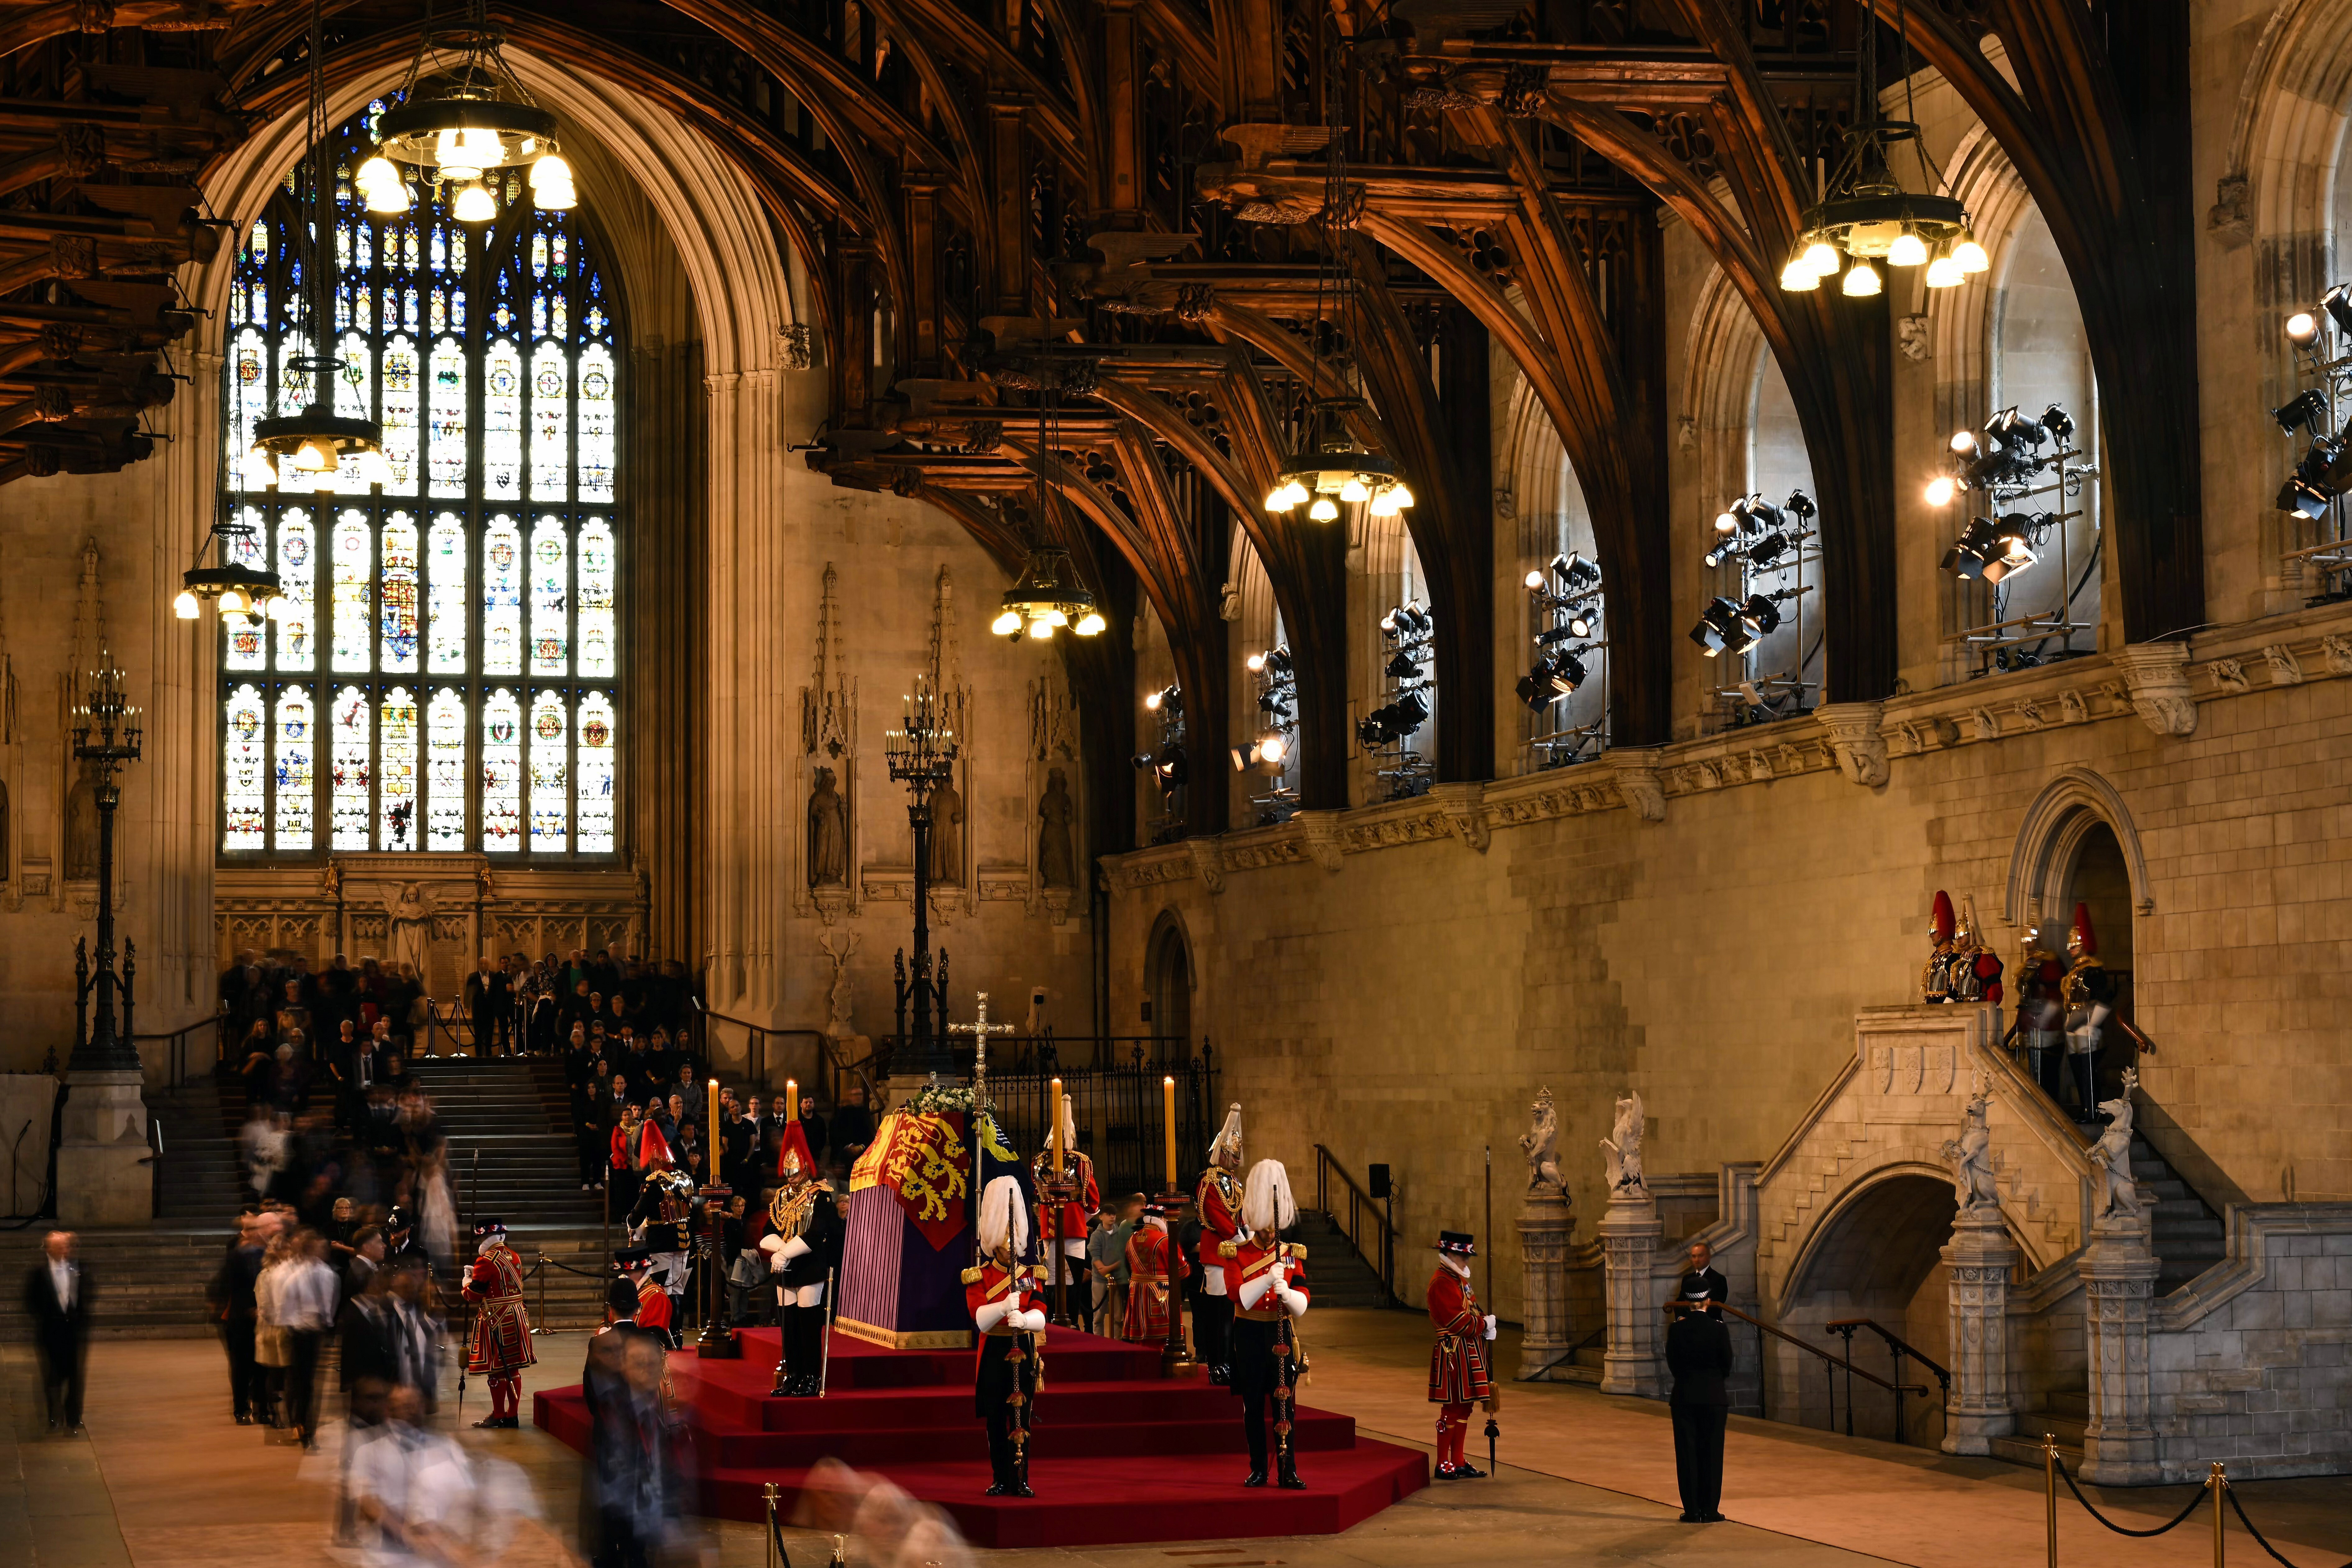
x=1003 y=1217
x=1267 y=1202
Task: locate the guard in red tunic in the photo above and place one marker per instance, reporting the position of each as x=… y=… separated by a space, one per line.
x=1266 y=1278
x=502 y=1336
x=1458 y=1374
x=2041 y=1016
x=1218 y=1203
x=1149 y=1253
x=1062 y=1228
x=635 y=1263
x=1001 y=1294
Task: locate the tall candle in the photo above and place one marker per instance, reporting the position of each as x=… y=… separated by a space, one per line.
x=1168 y=1120
x=792 y=1100
x=710 y=1128
x=1054 y=1101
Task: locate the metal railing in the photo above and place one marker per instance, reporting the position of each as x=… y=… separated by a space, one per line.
x=1050 y=1053
x=1362 y=1209
x=1902 y=1350
x=1121 y=1113
x=183 y=1062
x=760 y=1068
x=1834 y=1363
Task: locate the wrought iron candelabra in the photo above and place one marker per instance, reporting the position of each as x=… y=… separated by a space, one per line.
x=106 y=735
x=922 y=756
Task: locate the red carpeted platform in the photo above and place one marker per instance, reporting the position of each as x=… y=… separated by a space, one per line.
x=1119 y=1454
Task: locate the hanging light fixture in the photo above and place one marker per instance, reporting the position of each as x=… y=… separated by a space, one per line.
x=1048 y=596
x=1331 y=467
x=1866 y=215
x=318 y=441
x=237 y=588
x=462 y=114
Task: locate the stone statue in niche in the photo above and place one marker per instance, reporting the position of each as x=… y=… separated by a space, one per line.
x=81 y=827
x=1057 y=864
x=944 y=866
x=828 y=833
x=408 y=927
x=1625 y=1149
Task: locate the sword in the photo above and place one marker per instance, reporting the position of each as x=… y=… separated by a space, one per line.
x=824 y=1337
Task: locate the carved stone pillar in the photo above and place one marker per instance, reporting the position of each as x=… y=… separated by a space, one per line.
x=1629 y=1245
x=1978 y=1260
x=2119 y=1272
x=1546 y=1221
x=102 y=1176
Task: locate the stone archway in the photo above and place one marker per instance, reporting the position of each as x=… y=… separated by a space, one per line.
x=2050 y=843
x=1874 y=1256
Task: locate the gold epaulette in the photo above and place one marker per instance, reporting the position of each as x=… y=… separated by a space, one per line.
x=1229 y=1249
x=1295 y=1249
x=1039 y=1271
x=972 y=1276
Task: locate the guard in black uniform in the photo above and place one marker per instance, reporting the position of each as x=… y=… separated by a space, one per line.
x=803 y=1238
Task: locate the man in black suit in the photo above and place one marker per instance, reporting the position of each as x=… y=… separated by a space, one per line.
x=1703 y=1286
x=1699 y=1354
x=58 y=1293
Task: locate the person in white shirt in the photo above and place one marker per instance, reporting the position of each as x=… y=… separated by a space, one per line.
x=57 y=1301
x=412 y=1487
x=303 y=1302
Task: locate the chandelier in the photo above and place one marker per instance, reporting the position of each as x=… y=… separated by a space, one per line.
x=1866 y=215
x=1330 y=466
x=1049 y=594
x=238 y=589
x=469 y=116
x=318 y=441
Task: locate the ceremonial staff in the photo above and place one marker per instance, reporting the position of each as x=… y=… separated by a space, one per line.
x=979 y=1028
x=1494 y=1431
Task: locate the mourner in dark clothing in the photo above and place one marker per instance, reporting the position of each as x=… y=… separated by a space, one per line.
x=58 y=1296
x=1699 y=1354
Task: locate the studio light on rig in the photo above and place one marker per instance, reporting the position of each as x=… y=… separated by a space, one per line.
x=1553 y=676
x=1569 y=589
x=2007 y=454
x=1721 y=629
x=463 y=116
x=2322 y=340
x=1866 y=215
x=1168 y=703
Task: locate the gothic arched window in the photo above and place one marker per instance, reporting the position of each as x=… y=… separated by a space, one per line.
x=446 y=675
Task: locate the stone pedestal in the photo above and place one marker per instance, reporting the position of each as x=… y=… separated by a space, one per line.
x=103 y=1177
x=1629 y=1236
x=2119 y=1272
x=1545 y=1222
x=1978 y=1260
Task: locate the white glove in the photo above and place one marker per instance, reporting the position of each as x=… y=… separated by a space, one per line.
x=795 y=1248
x=1490 y=1325
x=1034 y=1320
x=1293 y=1301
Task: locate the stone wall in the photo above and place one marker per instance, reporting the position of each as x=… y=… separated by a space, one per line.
x=1395 y=981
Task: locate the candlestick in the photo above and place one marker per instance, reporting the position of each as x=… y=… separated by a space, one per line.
x=1054 y=1103
x=792 y=1100
x=710 y=1128
x=1168 y=1116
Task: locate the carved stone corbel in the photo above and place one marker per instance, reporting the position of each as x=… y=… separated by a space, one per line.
x=1319 y=835
x=1639 y=784
x=1854 y=735
x=2157 y=675
x=2337 y=649
x=2285 y=668
x=1208 y=863
x=1464 y=806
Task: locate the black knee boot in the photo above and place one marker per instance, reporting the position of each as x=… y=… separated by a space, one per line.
x=788 y=1322
x=2086 y=1070
x=808 y=1353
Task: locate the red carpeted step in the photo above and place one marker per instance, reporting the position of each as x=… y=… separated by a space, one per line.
x=1120 y=1452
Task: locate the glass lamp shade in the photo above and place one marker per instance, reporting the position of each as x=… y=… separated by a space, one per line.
x=473 y=204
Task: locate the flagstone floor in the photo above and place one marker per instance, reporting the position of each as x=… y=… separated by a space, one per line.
x=165 y=1480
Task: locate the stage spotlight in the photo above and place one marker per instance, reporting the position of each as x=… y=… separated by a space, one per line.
x=1402 y=665
x=1535 y=579
x=2337 y=302
x=1800 y=505
x=2016 y=539
x=1172 y=767
x=1721 y=629
x=2304 y=498
x=2305 y=411
x=1767 y=550
x=1582 y=623
x=2303 y=329
x=1143 y=761
x=2059 y=424
x=1973 y=551
x=1761 y=615
x=2013 y=429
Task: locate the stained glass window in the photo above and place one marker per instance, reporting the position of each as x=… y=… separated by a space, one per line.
x=490 y=556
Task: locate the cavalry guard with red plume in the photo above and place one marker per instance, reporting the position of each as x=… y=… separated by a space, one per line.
x=803 y=1239
x=1002 y=1297
x=2088 y=995
x=1265 y=1278
x=1459 y=1375
x=1062 y=1228
x=502 y=1344
x=1218 y=1202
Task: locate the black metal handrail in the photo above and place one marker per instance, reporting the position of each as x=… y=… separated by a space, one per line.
x=178 y=1074
x=1381 y=1256
x=1902 y=1350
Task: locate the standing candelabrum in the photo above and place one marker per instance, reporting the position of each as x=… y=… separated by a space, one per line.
x=106 y=736
x=922 y=756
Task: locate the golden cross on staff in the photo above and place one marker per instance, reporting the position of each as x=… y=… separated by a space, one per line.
x=979 y=1028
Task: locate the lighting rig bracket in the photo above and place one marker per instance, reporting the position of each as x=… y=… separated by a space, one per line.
x=1762 y=542
x=2005 y=464
x=1269 y=755
x=2313 y=493
x=1568 y=597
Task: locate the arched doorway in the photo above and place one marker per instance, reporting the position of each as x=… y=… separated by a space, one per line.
x=1167 y=983
x=2100 y=881
x=1877 y=1257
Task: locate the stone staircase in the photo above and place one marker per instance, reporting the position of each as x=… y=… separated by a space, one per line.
x=2187 y=1235
x=1337 y=1276
x=2066 y=1415
x=202 y=1182
x=149 y=1284
x=510 y=1147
